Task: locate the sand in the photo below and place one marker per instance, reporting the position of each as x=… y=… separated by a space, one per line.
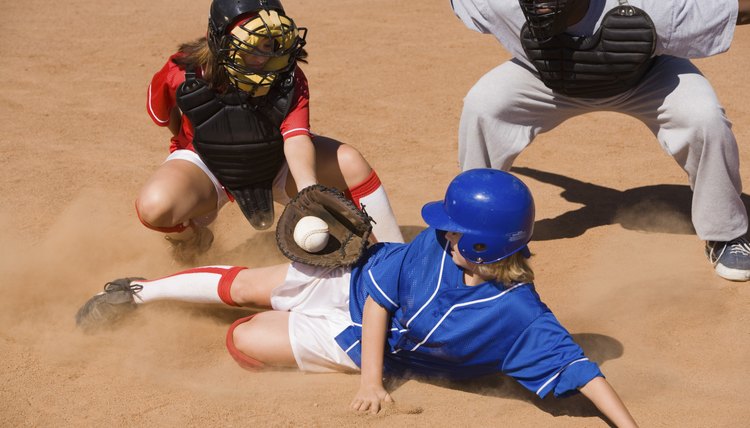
x=616 y=258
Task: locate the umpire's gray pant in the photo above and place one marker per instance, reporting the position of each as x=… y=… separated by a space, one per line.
x=509 y=106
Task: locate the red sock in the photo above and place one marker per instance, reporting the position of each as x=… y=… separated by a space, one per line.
x=370 y=196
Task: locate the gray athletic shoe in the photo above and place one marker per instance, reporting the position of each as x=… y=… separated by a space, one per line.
x=107 y=307
x=731 y=259
x=185 y=251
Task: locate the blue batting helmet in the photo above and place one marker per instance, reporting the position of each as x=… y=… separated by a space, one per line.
x=492 y=209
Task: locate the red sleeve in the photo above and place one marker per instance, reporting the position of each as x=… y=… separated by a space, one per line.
x=297 y=122
x=161 y=92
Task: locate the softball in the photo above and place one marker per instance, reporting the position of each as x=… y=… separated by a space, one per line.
x=311 y=234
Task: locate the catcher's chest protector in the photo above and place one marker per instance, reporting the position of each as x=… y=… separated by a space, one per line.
x=239 y=139
x=608 y=63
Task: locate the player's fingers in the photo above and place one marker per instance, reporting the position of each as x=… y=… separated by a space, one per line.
x=388 y=398
x=363 y=406
x=375 y=408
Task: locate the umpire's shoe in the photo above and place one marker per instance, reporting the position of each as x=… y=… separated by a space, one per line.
x=105 y=308
x=731 y=259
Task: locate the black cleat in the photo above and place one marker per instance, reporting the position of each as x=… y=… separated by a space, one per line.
x=107 y=307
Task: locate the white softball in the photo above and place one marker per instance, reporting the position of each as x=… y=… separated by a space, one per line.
x=311 y=234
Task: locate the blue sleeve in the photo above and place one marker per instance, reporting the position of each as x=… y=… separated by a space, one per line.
x=545 y=358
x=380 y=279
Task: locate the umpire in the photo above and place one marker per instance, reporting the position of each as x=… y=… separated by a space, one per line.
x=572 y=57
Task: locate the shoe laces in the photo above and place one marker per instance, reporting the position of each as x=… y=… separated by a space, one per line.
x=115 y=286
x=739 y=246
x=736 y=246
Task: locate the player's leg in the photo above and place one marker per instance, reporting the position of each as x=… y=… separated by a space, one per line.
x=502 y=114
x=227 y=285
x=679 y=105
x=311 y=307
x=262 y=340
x=180 y=200
x=343 y=167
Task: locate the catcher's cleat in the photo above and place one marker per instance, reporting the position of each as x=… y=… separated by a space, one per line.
x=107 y=307
x=185 y=251
x=731 y=259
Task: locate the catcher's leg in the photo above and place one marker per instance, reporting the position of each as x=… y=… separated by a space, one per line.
x=180 y=199
x=343 y=167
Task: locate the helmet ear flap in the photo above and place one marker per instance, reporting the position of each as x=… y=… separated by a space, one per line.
x=478 y=251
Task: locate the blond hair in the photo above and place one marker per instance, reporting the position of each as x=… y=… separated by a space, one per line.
x=512 y=269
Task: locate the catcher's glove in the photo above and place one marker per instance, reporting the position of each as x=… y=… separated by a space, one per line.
x=348 y=226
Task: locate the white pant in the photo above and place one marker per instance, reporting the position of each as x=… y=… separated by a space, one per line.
x=318 y=301
x=509 y=106
x=278 y=186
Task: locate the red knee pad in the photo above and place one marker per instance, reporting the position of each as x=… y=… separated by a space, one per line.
x=243 y=360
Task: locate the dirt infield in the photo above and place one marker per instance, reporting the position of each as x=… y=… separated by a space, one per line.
x=616 y=257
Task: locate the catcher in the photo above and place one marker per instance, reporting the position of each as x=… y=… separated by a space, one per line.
x=456 y=302
x=237 y=105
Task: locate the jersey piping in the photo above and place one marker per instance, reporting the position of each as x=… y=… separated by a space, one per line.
x=459 y=305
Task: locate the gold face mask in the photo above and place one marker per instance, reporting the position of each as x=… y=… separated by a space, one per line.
x=259 y=50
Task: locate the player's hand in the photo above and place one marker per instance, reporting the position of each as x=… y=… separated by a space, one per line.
x=369 y=398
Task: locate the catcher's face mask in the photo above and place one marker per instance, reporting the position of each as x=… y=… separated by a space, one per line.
x=546 y=18
x=259 y=48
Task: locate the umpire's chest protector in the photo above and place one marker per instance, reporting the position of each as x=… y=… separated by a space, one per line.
x=238 y=137
x=608 y=63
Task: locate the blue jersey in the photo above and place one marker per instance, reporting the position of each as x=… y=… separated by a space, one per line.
x=442 y=327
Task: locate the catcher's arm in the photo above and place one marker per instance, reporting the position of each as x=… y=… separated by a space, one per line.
x=175 y=121
x=299 y=151
x=371 y=391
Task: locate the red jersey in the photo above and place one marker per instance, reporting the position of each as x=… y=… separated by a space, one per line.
x=161 y=100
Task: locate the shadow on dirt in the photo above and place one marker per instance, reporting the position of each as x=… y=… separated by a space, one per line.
x=663 y=208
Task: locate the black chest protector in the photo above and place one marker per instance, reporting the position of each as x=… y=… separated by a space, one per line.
x=239 y=139
x=608 y=63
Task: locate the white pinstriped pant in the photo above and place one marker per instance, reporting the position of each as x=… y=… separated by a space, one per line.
x=509 y=106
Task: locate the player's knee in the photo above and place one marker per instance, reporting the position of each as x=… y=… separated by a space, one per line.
x=354 y=167
x=247 y=340
x=704 y=119
x=155 y=209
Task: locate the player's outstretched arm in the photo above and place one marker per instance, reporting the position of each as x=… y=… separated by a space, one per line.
x=604 y=397
x=371 y=391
